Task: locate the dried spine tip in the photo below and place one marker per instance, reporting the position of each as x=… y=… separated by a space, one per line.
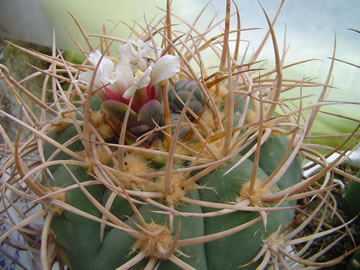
x=158 y=242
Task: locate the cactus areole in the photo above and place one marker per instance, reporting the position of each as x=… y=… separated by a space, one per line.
x=162 y=169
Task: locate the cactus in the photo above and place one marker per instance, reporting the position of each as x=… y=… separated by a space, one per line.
x=86 y=250
x=145 y=165
x=352 y=201
x=352 y=205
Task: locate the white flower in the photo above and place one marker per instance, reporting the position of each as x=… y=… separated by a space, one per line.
x=166 y=67
x=136 y=53
x=136 y=69
x=105 y=71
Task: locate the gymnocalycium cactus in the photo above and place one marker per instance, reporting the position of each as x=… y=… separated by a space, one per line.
x=146 y=164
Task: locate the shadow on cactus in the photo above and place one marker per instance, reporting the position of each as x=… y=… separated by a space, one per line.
x=149 y=161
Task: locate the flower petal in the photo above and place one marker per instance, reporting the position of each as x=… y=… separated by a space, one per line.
x=124 y=78
x=105 y=69
x=164 y=68
x=144 y=49
x=94 y=57
x=85 y=76
x=124 y=53
x=141 y=82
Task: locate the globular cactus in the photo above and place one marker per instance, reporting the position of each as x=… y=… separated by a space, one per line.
x=161 y=238
x=146 y=165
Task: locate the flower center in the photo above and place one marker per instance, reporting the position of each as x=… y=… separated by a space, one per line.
x=138 y=74
x=114 y=76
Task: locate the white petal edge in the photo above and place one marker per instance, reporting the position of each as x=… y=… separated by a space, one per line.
x=164 y=68
x=94 y=57
x=124 y=53
x=106 y=67
x=124 y=79
x=85 y=76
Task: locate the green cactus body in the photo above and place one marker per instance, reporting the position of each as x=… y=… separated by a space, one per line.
x=352 y=200
x=75 y=233
x=65 y=137
x=272 y=152
x=354 y=261
x=79 y=237
x=238 y=249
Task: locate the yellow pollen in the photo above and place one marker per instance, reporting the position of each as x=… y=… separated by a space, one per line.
x=114 y=75
x=138 y=74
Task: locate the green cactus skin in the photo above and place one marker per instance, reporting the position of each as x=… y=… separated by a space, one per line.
x=80 y=237
x=272 y=152
x=352 y=199
x=240 y=248
x=354 y=263
x=114 y=251
x=352 y=204
x=64 y=137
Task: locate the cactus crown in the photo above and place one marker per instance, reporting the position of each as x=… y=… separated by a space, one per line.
x=146 y=163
